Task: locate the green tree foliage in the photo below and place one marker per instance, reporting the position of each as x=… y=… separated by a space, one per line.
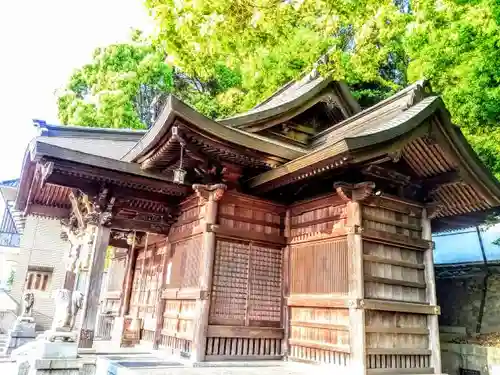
x=377 y=46
x=117 y=87
x=124 y=86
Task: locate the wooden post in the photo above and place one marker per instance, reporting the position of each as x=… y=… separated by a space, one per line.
x=142 y=281
x=160 y=303
x=286 y=285
x=432 y=320
x=353 y=195
x=91 y=303
x=210 y=194
x=356 y=290
x=129 y=278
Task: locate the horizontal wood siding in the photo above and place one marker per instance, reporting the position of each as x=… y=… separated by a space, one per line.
x=394 y=270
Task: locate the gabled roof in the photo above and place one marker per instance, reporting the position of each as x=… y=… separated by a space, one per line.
x=413 y=123
x=293 y=99
x=177 y=110
x=106 y=142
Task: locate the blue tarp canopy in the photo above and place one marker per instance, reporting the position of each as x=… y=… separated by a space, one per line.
x=463 y=246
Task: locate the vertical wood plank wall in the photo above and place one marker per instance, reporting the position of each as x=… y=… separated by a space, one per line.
x=245 y=320
x=182 y=279
x=397 y=334
x=319 y=285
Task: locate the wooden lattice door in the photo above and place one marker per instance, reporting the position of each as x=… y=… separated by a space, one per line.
x=145 y=289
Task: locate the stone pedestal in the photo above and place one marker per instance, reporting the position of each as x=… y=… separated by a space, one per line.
x=21 y=333
x=49 y=354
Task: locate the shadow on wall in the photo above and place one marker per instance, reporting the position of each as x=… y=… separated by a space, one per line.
x=461 y=298
x=454 y=357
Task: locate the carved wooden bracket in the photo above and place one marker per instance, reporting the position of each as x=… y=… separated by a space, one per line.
x=210 y=192
x=355 y=303
x=354 y=192
x=45 y=169
x=434 y=209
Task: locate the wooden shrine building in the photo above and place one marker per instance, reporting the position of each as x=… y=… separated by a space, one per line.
x=298 y=230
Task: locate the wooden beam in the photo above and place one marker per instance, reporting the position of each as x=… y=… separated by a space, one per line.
x=311 y=300
x=321 y=345
x=385 y=280
x=246 y=235
x=396 y=239
x=397 y=351
x=140 y=226
x=245 y=332
x=399 y=263
x=400 y=371
x=443 y=179
x=397 y=330
x=117 y=191
x=406 y=307
x=48 y=211
x=92 y=292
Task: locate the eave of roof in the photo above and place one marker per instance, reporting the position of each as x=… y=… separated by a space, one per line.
x=176 y=109
x=38 y=150
x=51 y=130
x=349 y=140
x=274 y=110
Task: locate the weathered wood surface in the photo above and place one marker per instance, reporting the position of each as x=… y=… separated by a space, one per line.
x=92 y=293
x=318 y=282
x=396 y=303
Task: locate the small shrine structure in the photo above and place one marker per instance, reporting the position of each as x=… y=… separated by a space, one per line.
x=299 y=230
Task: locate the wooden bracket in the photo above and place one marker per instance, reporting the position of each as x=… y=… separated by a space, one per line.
x=357 y=303
x=210 y=192
x=204 y=294
x=354 y=192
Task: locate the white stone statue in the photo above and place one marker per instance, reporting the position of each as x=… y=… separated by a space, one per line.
x=76 y=305
x=28 y=302
x=62 y=314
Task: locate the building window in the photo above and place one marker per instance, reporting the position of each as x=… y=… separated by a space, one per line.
x=38 y=278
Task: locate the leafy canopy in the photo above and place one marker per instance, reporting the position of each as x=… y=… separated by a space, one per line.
x=226 y=56
x=377 y=46
x=117 y=87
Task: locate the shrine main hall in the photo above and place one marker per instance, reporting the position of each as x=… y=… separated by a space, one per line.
x=299 y=230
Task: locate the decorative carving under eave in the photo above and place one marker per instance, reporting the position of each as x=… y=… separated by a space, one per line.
x=434 y=209
x=354 y=192
x=45 y=169
x=210 y=192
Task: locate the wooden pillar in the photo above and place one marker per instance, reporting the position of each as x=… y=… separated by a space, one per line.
x=142 y=281
x=210 y=194
x=160 y=303
x=93 y=289
x=286 y=286
x=356 y=290
x=353 y=195
x=129 y=278
x=430 y=281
